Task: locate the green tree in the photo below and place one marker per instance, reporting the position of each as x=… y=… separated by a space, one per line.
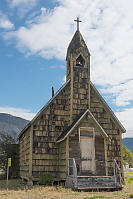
x=127 y=156
x=5 y=141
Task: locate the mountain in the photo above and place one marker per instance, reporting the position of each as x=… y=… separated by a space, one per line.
x=11 y=124
x=128 y=142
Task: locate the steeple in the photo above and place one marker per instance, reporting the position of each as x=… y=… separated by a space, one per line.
x=77 y=51
x=76 y=43
x=78 y=71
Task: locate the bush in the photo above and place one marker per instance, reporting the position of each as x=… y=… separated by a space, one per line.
x=131 y=195
x=46 y=179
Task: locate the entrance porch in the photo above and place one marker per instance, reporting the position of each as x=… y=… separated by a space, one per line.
x=92 y=181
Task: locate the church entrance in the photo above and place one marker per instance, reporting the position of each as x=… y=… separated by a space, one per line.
x=87 y=149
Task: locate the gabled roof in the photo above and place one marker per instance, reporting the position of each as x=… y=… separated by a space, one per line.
x=44 y=108
x=111 y=113
x=64 y=135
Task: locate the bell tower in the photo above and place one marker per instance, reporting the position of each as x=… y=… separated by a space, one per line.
x=78 y=71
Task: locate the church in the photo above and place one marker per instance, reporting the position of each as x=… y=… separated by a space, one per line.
x=75 y=137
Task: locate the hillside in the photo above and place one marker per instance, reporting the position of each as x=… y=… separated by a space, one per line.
x=128 y=142
x=11 y=124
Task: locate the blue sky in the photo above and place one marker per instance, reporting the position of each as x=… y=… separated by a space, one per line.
x=34 y=36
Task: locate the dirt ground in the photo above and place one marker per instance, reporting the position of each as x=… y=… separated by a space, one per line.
x=19 y=190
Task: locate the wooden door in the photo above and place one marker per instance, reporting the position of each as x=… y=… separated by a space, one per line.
x=87 y=148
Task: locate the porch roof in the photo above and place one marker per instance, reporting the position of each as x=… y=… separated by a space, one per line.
x=64 y=135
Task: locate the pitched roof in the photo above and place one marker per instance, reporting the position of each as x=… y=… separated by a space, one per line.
x=111 y=113
x=77 y=121
x=44 y=108
x=76 y=42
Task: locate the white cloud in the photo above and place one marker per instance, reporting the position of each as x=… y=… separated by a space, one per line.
x=123 y=93
x=15 y=3
x=110 y=44
x=19 y=112
x=23 y=6
x=5 y=23
x=126 y=118
x=63 y=80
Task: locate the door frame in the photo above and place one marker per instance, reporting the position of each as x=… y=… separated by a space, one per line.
x=93 y=157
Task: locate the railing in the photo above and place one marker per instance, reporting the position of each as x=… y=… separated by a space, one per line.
x=102 y=168
x=117 y=174
x=72 y=170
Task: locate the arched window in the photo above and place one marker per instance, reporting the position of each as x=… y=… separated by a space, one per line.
x=80 y=61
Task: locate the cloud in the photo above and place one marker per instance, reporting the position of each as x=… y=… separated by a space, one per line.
x=16 y=3
x=106 y=30
x=122 y=93
x=63 y=80
x=5 y=23
x=22 y=6
x=19 y=112
x=126 y=119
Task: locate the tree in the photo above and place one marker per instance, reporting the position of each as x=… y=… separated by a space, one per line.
x=5 y=142
x=127 y=156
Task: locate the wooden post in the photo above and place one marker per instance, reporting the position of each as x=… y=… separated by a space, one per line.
x=7 y=173
x=121 y=169
x=105 y=149
x=67 y=154
x=114 y=167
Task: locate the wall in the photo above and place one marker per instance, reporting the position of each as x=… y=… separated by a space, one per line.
x=102 y=115
x=46 y=129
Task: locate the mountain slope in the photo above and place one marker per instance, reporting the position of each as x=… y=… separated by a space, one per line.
x=11 y=124
x=128 y=142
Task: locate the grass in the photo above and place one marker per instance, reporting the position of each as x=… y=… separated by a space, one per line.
x=94 y=197
x=19 y=190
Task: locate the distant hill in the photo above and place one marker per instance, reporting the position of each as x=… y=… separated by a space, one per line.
x=11 y=124
x=128 y=142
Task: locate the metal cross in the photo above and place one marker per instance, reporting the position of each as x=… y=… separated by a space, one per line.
x=77 y=20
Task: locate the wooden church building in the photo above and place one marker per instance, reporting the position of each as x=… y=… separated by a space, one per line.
x=75 y=137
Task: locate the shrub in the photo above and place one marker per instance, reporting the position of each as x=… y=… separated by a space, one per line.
x=131 y=195
x=46 y=179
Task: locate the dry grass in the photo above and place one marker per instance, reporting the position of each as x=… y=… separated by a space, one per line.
x=19 y=190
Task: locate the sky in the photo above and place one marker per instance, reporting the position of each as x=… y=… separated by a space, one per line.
x=34 y=36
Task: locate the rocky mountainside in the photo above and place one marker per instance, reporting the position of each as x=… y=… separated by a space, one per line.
x=11 y=124
x=128 y=142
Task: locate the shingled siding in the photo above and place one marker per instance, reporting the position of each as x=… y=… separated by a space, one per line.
x=103 y=117
x=80 y=90
x=63 y=160
x=46 y=129
x=24 y=154
x=74 y=146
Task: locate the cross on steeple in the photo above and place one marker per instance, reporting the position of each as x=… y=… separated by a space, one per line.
x=77 y=20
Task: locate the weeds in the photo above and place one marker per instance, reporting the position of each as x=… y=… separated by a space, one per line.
x=94 y=197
